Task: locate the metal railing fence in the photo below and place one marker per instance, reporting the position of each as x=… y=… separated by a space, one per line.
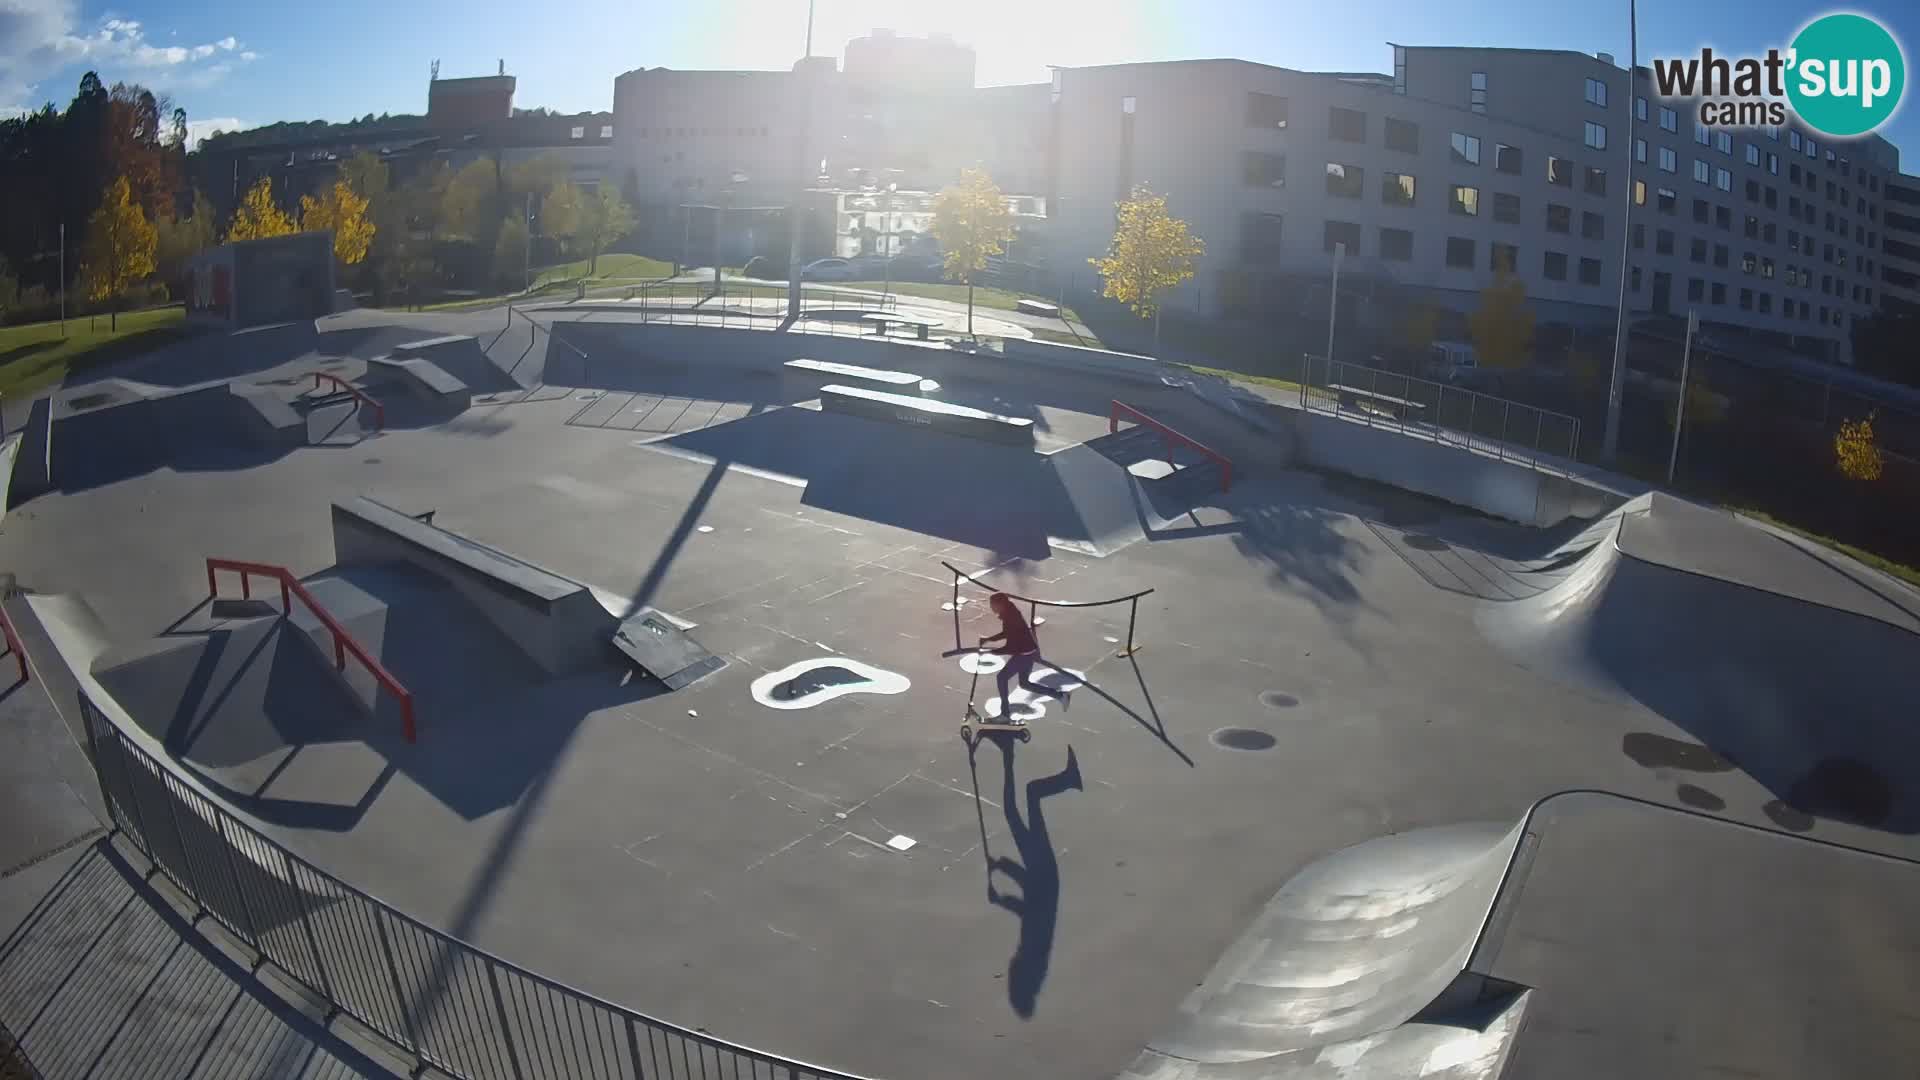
x=440 y=1000
x=1506 y=429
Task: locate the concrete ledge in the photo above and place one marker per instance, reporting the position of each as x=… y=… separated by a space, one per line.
x=428 y=381
x=557 y=622
x=274 y=423
x=934 y=415
x=813 y=374
x=1114 y=365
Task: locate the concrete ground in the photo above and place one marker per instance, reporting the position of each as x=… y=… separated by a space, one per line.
x=724 y=865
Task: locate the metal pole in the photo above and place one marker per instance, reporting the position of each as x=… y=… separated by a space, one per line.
x=526 y=260
x=886 y=246
x=1680 y=407
x=1333 y=303
x=63 y=278
x=1616 y=386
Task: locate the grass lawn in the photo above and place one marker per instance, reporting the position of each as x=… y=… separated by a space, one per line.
x=33 y=355
x=983 y=296
x=611 y=268
x=1905 y=573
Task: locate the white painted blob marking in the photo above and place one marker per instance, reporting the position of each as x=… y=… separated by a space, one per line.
x=812 y=682
x=979 y=663
x=704 y=529
x=1026 y=705
x=901 y=843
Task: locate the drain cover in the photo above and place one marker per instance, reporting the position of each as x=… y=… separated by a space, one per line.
x=1274 y=699
x=1240 y=738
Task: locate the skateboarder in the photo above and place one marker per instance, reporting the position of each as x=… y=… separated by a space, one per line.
x=1021 y=650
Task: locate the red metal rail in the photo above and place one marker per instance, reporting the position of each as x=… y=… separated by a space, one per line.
x=13 y=642
x=343 y=643
x=1171 y=436
x=379 y=411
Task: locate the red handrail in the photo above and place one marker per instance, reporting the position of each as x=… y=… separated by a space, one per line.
x=343 y=642
x=13 y=642
x=1113 y=424
x=379 y=411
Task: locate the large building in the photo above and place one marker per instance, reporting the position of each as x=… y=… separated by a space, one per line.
x=1464 y=160
x=1900 y=246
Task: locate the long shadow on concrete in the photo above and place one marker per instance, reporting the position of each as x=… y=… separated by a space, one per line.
x=1036 y=872
x=103 y=979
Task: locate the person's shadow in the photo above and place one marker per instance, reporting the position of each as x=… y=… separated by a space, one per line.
x=1036 y=873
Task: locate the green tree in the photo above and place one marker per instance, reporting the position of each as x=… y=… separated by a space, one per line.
x=589 y=221
x=118 y=249
x=1856 y=450
x=258 y=216
x=1151 y=252
x=1502 y=326
x=973 y=224
x=179 y=239
x=343 y=212
x=510 y=249
x=471 y=206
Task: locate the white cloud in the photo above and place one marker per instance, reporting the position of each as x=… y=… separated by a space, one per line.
x=200 y=129
x=249 y=55
x=42 y=39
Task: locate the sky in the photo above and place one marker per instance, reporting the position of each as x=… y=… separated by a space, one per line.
x=239 y=63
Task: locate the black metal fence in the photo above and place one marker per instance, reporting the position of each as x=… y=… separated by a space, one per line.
x=438 y=999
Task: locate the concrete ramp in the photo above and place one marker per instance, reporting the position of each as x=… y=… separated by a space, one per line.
x=1345 y=955
x=461 y=357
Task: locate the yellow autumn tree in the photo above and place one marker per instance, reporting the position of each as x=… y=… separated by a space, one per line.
x=1151 y=251
x=258 y=216
x=343 y=211
x=118 y=248
x=1502 y=325
x=973 y=224
x=1856 y=450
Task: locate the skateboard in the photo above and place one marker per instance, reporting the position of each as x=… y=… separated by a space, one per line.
x=975 y=723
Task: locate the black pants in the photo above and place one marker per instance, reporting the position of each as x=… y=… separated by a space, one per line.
x=1020 y=665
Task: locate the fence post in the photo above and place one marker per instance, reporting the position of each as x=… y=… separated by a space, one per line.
x=246 y=909
x=399 y=991
x=1539 y=425
x=246 y=585
x=506 y=1028
x=1473 y=404
x=139 y=815
x=1506 y=413
x=180 y=837
x=1133 y=611
x=313 y=941
x=212 y=589
x=286 y=598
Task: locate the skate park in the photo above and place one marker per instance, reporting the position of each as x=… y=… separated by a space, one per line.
x=577 y=691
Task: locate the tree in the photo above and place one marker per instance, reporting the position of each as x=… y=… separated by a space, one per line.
x=258 y=216
x=179 y=239
x=973 y=224
x=1151 y=251
x=563 y=213
x=344 y=212
x=471 y=205
x=1856 y=451
x=118 y=249
x=1502 y=326
x=587 y=220
x=510 y=249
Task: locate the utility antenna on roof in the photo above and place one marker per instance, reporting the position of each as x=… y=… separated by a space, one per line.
x=503 y=67
x=433 y=73
x=809 y=28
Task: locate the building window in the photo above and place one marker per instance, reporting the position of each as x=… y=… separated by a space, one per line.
x=1639 y=235
x=1666 y=200
x=1723 y=142
x=1506 y=158
x=1750 y=227
x=1403 y=135
x=1396 y=189
x=1639 y=193
x=1773 y=164
x=1772 y=198
x=1260 y=237
x=1769 y=233
x=1753 y=154
x=1460 y=252
x=1555 y=266
x=1719 y=293
x=1466 y=148
x=1793 y=175
x=1697 y=250
x=606 y=131
x=1766 y=303
x=1640 y=109
x=1812 y=148
x=1465 y=200
x=1669 y=120
x=1589 y=271
x=1720 y=255
x=1746 y=299
x=1753 y=190
x=1596 y=93
x=1640 y=151
x=1266 y=111
x=1342 y=232
x=1696 y=289
x=1346 y=181
x=1723 y=218
x=1477 y=92
x=1263 y=170
x=1559 y=171
x=1702 y=172
x=1766 y=268
x=1503 y=257
x=1506 y=208
x=1396 y=244
x=579 y=133
x=1346 y=125
x=1669 y=161
x=1748 y=261
x=1701 y=212
x=1592 y=226
x=1793 y=240
x=1723 y=179
x=1596 y=136
x=1702 y=134
x=1399 y=69
x=1663 y=242
x=1128 y=105
x=1559 y=218
x=1596 y=181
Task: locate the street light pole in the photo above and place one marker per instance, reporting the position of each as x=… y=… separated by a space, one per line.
x=1610 y=446
x=1333 y=303
x=1680 y=408
x=886 y=244
x=526 y=260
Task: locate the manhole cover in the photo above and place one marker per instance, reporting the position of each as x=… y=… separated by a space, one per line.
x=1274 y=699
x=1240 y=738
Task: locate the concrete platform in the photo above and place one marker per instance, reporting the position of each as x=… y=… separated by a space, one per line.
x=731 y=866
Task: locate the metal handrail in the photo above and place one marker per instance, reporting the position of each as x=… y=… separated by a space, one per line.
x=379 y=411
x=1167 y=433
x=459 y=1008
x=1482 y=410
x=343 y=642
x=1034 y=604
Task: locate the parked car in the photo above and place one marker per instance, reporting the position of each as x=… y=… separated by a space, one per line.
x=827 y=270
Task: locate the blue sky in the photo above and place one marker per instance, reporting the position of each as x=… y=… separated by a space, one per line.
x=235 y=62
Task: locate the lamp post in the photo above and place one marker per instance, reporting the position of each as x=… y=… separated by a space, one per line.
x=1610 y=446
x=886 y=243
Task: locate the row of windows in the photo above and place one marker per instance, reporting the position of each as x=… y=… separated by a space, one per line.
x=606 y=132
x=1667 y=201
x=1701 y=291
x=1461 y=251
x=1754 y=230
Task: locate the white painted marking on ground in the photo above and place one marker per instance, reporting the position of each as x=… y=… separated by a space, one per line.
x=902 y=843
x=1113 y=641
x=704 y=529
x=872 y=680
x=693 y=712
